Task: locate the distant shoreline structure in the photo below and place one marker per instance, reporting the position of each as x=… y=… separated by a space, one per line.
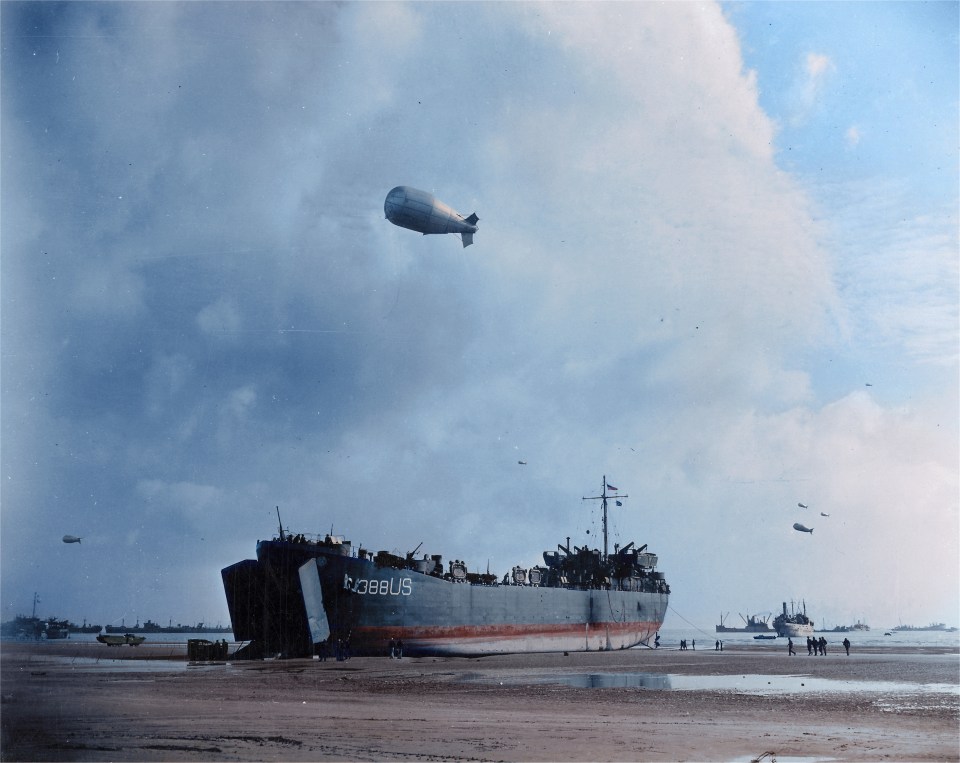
x=151 y=627
x=28 y=628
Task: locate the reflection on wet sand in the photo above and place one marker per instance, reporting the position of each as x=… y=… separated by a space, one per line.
x=745 y=684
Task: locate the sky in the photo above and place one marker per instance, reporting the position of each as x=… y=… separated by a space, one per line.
x=716 y=265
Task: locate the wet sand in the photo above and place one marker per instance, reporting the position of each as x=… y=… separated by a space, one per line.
x=83 y=701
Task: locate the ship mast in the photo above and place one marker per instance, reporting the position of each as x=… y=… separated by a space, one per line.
x=603 y=497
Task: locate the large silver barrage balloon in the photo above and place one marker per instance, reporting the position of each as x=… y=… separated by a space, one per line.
x=420 y=211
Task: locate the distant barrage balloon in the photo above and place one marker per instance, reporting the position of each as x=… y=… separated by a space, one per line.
x=420 y=211
x=800 y=528
x=803 y=506
x=71 y=539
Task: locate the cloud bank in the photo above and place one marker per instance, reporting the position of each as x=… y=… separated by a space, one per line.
x=205 y=315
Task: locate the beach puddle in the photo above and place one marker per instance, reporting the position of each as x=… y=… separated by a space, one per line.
x=896 y=692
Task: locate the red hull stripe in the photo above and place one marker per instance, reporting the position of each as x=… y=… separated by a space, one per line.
x=503 y=632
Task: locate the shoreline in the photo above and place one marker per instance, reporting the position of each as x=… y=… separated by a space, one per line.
x=91 y=702
x=177 y=650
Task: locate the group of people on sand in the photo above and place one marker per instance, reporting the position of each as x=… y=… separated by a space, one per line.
x=340 y=648
x=817 y=646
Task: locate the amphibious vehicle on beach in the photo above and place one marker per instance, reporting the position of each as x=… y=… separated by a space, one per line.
x=115 y=640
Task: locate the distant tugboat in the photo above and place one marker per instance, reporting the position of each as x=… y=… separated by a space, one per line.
x=301 y=595
x=793 y=625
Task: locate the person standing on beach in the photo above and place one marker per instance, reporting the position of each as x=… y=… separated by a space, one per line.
x=790 y=646
x=846 y=645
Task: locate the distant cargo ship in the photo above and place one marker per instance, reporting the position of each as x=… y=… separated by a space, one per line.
x=27 y=628
x=931 y=627
x=23 y=627
x=857 y=626
x=301 y=595
x=753 y=624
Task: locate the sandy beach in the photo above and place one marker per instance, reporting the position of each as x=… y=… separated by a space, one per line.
x=88 y=702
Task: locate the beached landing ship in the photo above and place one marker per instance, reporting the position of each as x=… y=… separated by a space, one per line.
x=301 y=595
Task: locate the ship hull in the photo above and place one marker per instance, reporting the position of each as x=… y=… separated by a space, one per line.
x=367 y=606
x=299 y=599
x=795 y=630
